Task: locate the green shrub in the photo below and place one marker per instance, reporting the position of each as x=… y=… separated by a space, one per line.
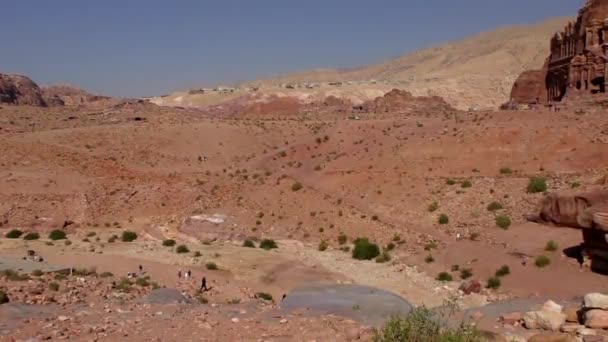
x=3 y=297
x=575 y=184
x=494 y=206
x=57 y=234
x=466 y=273
x=248 y=244
x=450 y=181
x=182 y=249
x=268 y=244
x=143 y=282
x=128 y=236
x=342 y=238
x=211 y=266
x=537 y=184
x=296 y=186
x=493 y=283
x=112 y=238
x=323 y=246
x=106 y=275
x=466 y=184
x=264 y=296
x=503 y=271
x=85 y=272
x=422 y=325
x=503 y=221
x=31 y=236
x=430 y=245
x=384 y=257
x=37 y=273
x=169 y=243
x=433 y=206
x=60 y=276
x=444 y=276
x=197 y=254
x=444 y=219
x=14 y=234
x=54 y=286
x=429 y=259
x=12 y=275
x=365 y=250
x=551 y=246
x=506 y=171
x=542 y=261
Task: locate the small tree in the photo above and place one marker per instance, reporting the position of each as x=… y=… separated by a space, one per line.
x=14 y=234
x=128 y=236
x=57 y=234
x=365 y=250
x=444 y=219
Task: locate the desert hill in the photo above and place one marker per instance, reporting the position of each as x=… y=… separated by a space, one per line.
x=477 y=71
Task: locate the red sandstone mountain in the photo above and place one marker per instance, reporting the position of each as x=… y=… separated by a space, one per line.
x=20 y=90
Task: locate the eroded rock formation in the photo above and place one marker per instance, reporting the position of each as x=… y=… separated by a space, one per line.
x=577 y=64
x=69 y=95
x=586 y=211
x=401 y=100
x=20 y=90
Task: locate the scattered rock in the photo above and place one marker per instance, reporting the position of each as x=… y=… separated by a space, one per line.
x=512 y=318
x=554 y=337
x=551 y=306
x=572 y=315
x=596 y=301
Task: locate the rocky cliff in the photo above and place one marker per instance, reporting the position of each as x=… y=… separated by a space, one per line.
x=20 y=90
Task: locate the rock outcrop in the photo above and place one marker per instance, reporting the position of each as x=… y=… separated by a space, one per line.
x=401 y=100
x=69 y=96
x=529 y=88
x=20 y=90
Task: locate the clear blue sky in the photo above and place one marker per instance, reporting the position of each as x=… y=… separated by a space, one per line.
x=151 y=47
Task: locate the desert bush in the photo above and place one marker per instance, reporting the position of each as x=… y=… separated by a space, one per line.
x=466 y=184
x=112 y=238
x=474 y=236
x=60 y=276
x=542 y=261
x=390 y=246
x=182 y=249
x=37 y=273
x=197 y=254
x=14 y=234
x=455 y=268
x=342 y=238
x=169 y=243
x=444 y=276
x=248 y=244
x=551 y=246
x=444 y=219
x=450 y=181
x=421 y=325
x=503 y=221
x=268 y=244
x=503 y=271
x=493 y=283
x=211 y=266
x=296 y=186
x=124 y=285
x=106 y=275
x=323 y=246
x=57 y=234
x=466 y=273
x=264 y=296
x=429 y=259
x=3 y=297
x=430 y=245
x=54 y=286
x=384 y=257
x=575 y=185
x=67 y=242
x=143 y=282
x=128 y=236
x=84 y=272
x=537 y=184
x=433 y=207
x=31 y=236
x=494 y=206
x=12 y=275
x=506 y=171
x=91 y=234
x=365 y=250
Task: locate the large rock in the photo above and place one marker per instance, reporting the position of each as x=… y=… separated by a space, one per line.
x=596 y=319
x=545 y=320
x=596 y=301
x=470 y=286
x=554 y=337
x=20 y=90
x=572 y=315
x=551 y=306
x=530 y=87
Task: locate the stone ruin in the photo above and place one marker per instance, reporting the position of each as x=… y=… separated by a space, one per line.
x=576 y=66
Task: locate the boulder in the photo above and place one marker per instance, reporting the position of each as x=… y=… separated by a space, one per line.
x=20 y=90
x=596 y=301
x=551 y=306
x=470 y=286
x=545 y=320
x=511 y=318
x=596 y=319
x=572 y=314
x=553 y=337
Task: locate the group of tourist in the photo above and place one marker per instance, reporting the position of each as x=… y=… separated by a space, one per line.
x=188 y=274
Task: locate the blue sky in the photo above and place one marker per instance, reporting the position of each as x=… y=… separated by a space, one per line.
x=152 y=47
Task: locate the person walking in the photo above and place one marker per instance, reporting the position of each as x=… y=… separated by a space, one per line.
x=179 y=274
x=204 y=285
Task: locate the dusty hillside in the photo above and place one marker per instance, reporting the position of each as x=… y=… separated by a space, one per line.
x=477 y=71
